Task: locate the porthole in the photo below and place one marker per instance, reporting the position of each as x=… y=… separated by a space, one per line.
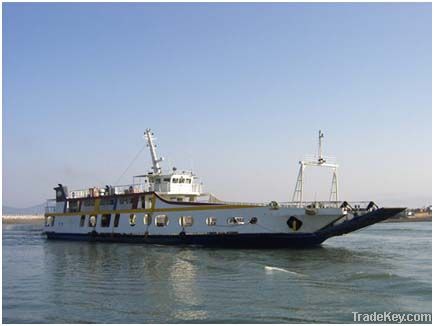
x=92 y=221
x=235 y=220
x=186 y=221
x=116 y=222
x=147 y=219
x=105 y=220
x=161 y=220
x=253 y=220
x=132 y=219
x=49 y=221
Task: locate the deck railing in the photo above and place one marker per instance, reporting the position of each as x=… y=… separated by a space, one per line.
x=359 y=205
x=114 y=190
x=130 y=189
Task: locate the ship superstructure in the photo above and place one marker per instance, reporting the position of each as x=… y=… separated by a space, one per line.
x=169 y=208
x=176 y=185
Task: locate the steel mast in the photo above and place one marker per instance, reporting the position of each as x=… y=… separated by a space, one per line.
x=318 y=161
x=155 y=161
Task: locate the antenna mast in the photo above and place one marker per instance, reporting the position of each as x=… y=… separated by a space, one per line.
x=155 y=161
x=320 y=158
x=318 y=162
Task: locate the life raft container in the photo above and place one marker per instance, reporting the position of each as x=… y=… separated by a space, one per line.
x=311 y=211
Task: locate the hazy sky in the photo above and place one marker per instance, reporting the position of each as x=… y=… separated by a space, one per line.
x=236 y=91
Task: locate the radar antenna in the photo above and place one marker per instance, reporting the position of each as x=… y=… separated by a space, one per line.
x=155 y=161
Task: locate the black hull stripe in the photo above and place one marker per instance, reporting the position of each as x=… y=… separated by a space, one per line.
x=276 y=240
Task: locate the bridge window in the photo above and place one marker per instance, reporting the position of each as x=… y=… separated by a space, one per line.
x=116 y=222
x=92 y=220
x=107 y=202
x=161 y=220
x=186 y=221
x=125 y=200
x=167 y=180
x=132 y=219
x=211 y=220
x=235 y=220
x=82 y=220
x=73 y=206
x=105 y=220
x=89 y=202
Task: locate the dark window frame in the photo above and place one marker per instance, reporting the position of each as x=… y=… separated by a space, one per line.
x=82 y=220
x=116 y=221
x=105 y=220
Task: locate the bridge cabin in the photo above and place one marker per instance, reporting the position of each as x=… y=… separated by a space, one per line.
x=175 y=186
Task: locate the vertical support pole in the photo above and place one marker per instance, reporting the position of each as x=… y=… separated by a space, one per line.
x=334 y=190
x=320 y=135
x=298 y=191
x=301 y=183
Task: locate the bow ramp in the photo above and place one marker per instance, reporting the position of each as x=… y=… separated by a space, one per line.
x=344 y=225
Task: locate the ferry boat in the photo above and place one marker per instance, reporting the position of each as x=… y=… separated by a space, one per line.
x=170 y=208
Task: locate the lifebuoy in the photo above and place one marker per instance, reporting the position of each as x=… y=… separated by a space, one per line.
x=274 y=205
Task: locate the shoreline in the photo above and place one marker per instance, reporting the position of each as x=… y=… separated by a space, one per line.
x=408 y=219
x=22 y=219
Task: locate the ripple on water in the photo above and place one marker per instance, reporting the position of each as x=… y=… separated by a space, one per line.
x=382 y=268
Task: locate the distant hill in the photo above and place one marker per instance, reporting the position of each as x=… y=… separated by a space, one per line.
x=33 y=210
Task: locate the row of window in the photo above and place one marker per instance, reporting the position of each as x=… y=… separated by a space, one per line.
x=159 y=220
x=174 y=180
x=135 y=202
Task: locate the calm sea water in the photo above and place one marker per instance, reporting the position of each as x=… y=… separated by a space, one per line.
x=386 y=267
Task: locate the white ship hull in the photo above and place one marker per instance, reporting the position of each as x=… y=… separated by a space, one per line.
x=225 y=224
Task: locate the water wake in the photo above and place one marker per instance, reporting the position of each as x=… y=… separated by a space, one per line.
x=270 y=269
